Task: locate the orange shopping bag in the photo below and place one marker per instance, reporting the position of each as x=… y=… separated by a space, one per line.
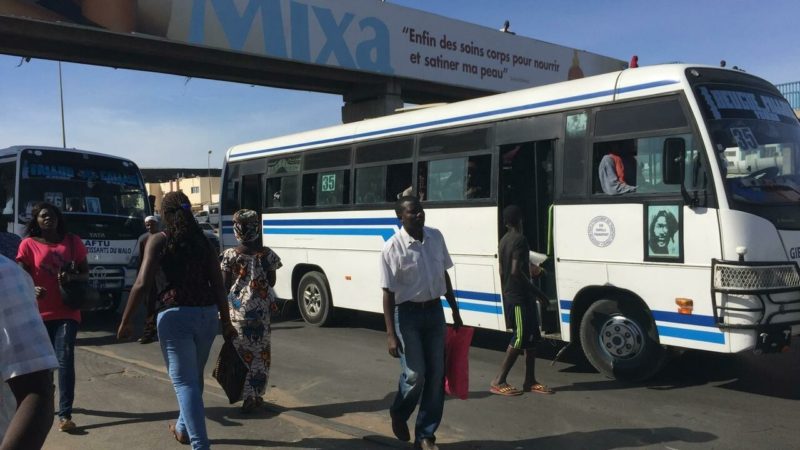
x=456 y=368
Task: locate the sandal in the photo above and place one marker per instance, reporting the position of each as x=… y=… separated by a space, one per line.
x=180 y=437
x=540 y=389
x=505 y=389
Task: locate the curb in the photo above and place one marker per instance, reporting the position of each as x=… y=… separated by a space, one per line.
x=159 y=372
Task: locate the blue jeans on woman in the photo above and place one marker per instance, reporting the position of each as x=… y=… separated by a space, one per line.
x=63 y=334
x=185 y=334
x=421 y=332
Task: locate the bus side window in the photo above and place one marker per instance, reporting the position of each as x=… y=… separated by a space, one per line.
x=387 y=174
x=282 y=182
x=7 y=182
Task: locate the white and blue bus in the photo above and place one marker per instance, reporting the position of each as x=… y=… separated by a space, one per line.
x=698 y=256
x=102 y=197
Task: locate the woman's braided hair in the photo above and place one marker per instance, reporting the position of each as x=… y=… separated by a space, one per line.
x=186 y=243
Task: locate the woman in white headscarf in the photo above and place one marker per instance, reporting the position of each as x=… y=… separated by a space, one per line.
x=248 y=272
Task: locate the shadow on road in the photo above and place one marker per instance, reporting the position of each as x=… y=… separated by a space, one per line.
x=594 y=440
x=331 y=410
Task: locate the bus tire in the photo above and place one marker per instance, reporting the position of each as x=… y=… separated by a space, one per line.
x=314 y=299
x=621 y=341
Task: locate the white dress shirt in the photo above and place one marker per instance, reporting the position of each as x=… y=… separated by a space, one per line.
x=24 y=344
x=415 y=270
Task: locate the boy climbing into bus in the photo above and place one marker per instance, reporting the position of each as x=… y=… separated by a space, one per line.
x=519 y=303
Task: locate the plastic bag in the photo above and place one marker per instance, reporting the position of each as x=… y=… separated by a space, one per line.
x=456 y=368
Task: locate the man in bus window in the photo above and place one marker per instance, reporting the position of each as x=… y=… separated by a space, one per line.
x=617 y=170
x=414 y=277
x=519 y=303
x=477 y=185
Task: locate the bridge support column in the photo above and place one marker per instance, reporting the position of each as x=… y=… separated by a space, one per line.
x=364 y=102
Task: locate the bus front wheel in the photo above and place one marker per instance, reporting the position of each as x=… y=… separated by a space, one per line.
x=621 y=341
x=314 y=299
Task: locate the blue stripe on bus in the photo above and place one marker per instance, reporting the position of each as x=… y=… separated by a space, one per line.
x=385 y=233
x=688 y=319
x=480 y=115
x=666 y=316
x=713 y=337
x=472 y=295
x=692 y=335
x=464 y=306
x=362 y=221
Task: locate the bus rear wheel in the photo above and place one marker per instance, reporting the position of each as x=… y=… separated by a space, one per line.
x=621 y=341
x=314 y=299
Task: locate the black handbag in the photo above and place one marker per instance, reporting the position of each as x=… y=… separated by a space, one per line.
x=230 y=371
x=77 y=294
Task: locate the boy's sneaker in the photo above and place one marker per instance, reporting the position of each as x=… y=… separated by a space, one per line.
x=66 y=425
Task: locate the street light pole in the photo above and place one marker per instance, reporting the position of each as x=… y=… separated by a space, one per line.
x=209 y=183
x=61 y=95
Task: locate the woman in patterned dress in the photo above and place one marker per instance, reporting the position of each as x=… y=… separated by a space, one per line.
x=248 y=273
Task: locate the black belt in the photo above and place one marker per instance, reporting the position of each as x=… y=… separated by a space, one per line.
x=420 y=305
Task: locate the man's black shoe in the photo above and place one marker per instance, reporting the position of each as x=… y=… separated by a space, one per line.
x=400 y=429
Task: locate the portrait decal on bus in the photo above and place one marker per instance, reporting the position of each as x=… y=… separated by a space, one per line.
x=663 y=233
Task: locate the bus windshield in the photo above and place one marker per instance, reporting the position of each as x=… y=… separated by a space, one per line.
x=85 y=186
x=757 y=139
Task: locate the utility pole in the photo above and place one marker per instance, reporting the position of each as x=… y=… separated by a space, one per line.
x=209 y=183
x=61 y=94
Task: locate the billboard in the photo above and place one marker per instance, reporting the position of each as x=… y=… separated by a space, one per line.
x=360 y=35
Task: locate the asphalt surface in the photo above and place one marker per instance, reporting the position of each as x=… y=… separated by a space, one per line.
x=331 y=387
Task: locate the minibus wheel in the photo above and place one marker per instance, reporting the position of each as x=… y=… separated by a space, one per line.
x=314 y=299
x=620 y=340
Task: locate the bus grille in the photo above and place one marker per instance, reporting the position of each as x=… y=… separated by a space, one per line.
x=756 y=278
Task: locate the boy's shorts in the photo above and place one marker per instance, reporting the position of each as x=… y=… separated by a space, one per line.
x=525 y=332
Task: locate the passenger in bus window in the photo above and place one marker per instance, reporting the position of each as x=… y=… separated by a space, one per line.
x=413 y=267
x=519 y=304
x=477 y=185
x=617 y=169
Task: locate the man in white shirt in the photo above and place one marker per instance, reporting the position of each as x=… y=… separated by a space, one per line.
x=26 y=361
x=414 y=265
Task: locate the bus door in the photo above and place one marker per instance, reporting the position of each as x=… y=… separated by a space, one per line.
x=526 y=179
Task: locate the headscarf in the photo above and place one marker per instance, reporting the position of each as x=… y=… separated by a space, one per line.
x=246 y=225
x=151 y=219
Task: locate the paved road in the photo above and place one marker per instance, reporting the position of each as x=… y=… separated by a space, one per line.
x=344 y=376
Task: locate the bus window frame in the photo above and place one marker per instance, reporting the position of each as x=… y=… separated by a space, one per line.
x=709 y=200
x=348 y=168
x=267 y=177
x=491 y=150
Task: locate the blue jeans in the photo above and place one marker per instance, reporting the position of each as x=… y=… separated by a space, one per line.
x=185 y=334
x=63 y=334
x=421 y=333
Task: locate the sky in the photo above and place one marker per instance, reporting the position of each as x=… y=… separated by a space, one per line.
x=161 y=121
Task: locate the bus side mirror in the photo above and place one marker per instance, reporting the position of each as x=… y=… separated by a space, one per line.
x=673 y=160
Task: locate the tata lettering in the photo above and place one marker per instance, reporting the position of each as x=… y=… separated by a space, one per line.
x=372 y=53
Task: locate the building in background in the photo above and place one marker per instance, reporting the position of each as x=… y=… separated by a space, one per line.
x=792 y=93
x=201 y=188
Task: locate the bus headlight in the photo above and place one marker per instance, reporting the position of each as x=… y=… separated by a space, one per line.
x=749 y=278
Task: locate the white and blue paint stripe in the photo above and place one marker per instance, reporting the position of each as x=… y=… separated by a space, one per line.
x=693 y=327
x=484 y=115
x=384 y=227
x=483 y=302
